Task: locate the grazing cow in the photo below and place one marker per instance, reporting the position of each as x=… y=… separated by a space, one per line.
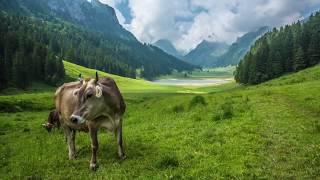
x=53 y=121
x=88 y=106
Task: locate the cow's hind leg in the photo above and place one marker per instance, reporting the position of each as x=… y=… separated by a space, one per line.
x=94 y=147
x=70 y=135
x=121 y=153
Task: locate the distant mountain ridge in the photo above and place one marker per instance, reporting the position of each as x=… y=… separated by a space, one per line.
x=114 y=44
x=238 y=49
x=206 y=53
x=214 y=54
x=168 y=47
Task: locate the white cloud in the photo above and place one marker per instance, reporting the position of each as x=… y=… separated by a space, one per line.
x=154 y=19
x=188 y=22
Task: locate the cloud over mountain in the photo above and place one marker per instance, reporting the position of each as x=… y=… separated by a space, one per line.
x=187 y=22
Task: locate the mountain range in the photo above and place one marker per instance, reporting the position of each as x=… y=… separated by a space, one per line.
x=238 y=49
x=215 y=54
x=168 y=47
x=101 y=36
x=206 y=53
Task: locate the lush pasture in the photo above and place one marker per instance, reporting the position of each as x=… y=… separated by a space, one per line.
x=127 y=85
x=268 y=131
x=220 y=72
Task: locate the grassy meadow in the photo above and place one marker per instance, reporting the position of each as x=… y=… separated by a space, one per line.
x=205 y=73
x=269 y=131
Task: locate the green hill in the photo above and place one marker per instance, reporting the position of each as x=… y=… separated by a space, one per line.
x=128 y=85
x=125 y=84
x=269 y=131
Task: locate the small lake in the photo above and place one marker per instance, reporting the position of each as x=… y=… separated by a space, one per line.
x=192 y=82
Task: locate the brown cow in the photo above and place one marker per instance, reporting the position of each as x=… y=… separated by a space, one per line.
x=88 y=106
x=53 y=121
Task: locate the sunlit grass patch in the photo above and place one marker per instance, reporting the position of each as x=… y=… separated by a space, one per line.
x=270 y=131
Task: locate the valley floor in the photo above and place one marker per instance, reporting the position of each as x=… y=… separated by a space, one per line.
x=267 y=131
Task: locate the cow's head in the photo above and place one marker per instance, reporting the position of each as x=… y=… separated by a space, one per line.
x=90 y=101
x=53 y=121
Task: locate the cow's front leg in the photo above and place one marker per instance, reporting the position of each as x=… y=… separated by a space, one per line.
x=121 y=153
x=70 y=135
x=94 y=147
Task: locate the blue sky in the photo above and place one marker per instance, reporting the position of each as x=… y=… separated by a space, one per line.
x=187 y=22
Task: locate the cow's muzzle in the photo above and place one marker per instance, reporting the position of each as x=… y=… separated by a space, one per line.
x=77 y=119
x=48 y=126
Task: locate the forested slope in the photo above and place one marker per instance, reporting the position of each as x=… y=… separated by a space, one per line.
x=24 y=56
x=85 y=33
x=288 y=49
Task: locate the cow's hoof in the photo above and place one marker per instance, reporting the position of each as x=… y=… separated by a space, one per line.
x=93 y=167
x=123 y=157
x=72 y=157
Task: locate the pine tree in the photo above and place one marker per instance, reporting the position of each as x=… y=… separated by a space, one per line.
x=19 y=72
x=3 y=74
x=49 y=68
x=313 y=50
x=299 y=60
x=288 y=50
x=276 y=65
x=252 y=79
x=37 y=62
x=60 y=68
x=262 y=58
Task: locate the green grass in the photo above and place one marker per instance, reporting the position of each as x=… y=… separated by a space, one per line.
x=269 y=131
x=128 y=85
x=125 y=84
x=220 y=72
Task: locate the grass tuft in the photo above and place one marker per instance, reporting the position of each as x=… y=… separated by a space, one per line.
x=167 y=161
x=225 y=110
x=196 y=101
x=178 y=108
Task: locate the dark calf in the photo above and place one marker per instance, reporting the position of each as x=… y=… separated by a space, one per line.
x=53 y=121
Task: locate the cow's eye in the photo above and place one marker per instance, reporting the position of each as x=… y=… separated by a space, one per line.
x=89 y=95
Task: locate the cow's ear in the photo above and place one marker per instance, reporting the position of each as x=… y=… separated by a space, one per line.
x=97 y=77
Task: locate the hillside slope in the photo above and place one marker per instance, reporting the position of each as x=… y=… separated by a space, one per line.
x=89 y=34
x=269 y=131
x=126 y=85
x=289 y=48
x=239 y=48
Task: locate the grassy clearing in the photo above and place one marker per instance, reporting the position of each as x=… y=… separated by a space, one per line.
x=270 y=131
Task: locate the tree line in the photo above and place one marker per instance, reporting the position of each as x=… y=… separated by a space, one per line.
x=24 y=60
x=32 y=50
x=288 y=49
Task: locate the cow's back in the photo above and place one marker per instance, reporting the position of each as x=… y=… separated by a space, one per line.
x=112 y=88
